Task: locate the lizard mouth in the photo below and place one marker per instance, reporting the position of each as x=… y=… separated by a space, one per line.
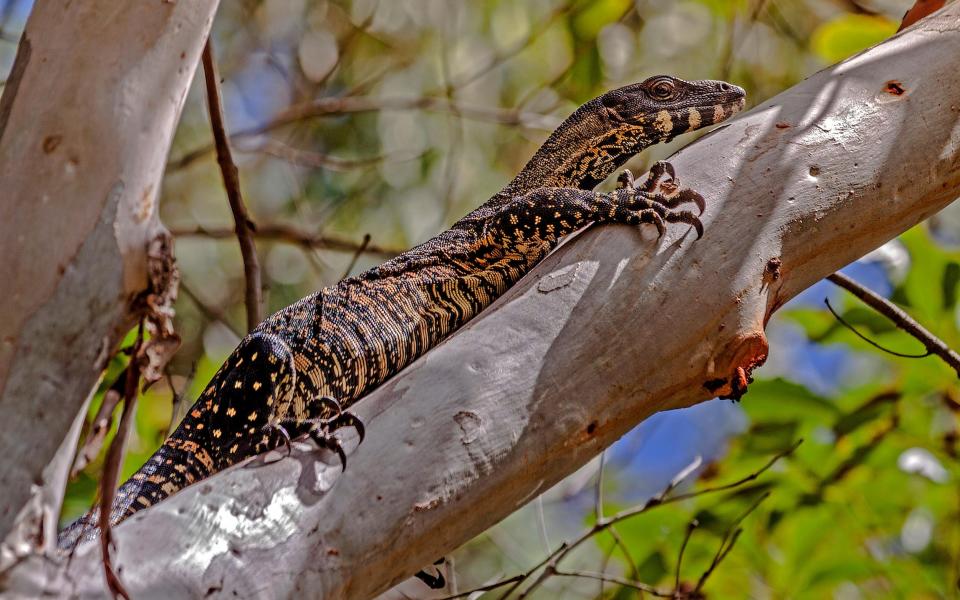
x=736 y=106
x=724 y=110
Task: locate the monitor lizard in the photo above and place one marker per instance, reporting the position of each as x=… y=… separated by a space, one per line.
x=297 y=371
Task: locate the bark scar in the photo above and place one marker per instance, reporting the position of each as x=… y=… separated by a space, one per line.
x=743 y=355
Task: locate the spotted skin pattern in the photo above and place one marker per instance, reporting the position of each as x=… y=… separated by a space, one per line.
x=345 y=340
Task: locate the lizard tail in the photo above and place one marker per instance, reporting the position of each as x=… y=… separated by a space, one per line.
x=170 y=469
x=228 y=423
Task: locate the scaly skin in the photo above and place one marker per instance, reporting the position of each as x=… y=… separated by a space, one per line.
x=288 y=376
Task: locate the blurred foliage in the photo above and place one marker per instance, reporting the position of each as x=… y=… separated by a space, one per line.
x=865 y=508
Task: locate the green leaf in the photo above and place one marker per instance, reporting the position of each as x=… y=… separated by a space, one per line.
x=724 y=8
x=951 y=277
x=778 y=399
x=848 y=34
x=588 y=22
x=653 y=567
x=871 y=410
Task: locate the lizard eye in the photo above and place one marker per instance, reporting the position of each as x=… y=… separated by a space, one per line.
x=663 y=89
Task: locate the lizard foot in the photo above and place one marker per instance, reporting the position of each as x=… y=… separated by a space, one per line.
x=321 y=432
x=666 y=191
x=321 y=429
x=634 y=207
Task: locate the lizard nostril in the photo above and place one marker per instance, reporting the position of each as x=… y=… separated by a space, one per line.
x=725 y=87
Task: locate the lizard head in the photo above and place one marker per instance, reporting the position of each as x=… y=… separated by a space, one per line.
x=662 y=107
x=626 y=120
x=601 y=135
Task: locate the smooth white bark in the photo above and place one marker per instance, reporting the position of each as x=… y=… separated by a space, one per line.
x=608 y=330
x=86 y=119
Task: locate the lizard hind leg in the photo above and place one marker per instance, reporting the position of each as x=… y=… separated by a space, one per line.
x=321 y=429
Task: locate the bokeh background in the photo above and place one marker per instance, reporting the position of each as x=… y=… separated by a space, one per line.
x=364 y=127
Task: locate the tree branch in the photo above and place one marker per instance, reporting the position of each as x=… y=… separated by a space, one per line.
x=243 y=225
x=608 y=330
x=86 y=120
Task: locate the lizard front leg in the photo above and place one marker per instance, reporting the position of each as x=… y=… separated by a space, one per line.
x=666 y=191
x=547 y=214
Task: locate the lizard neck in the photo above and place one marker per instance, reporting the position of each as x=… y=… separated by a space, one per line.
x=581 y=153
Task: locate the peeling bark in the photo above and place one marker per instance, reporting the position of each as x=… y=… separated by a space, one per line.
x=86 y=121
x=608 y=330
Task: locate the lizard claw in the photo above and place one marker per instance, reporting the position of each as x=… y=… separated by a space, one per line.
x=688 y=218
x=625 y=180
x=346 y=419
x=321 y=428
x=329 y=406
x=285 y=440
x=688 y=195
x=324 y=439
x=664 y=166
x=656 y=173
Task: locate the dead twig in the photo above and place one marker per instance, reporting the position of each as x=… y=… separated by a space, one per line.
x=231 y=181
x=880 y=347
x=485 y=588
x=111 y=468
x=900 y=318
x=101 y=424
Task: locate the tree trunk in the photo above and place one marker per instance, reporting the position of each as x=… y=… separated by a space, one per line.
x=610 y=329
x=86 y=120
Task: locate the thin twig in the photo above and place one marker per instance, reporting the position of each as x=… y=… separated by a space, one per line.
x=729 y=539
x=356 y=255
x=231 y=181
x=111 y=468
x=634 y=568
x=686 y=538
x=858 y=456
x=503 y=56
x=316 y=160
x=485 y=588
x=534 y=569
x=900 y=318
x=636 y=585
x=604 y=564
x=868 y=340
x=454 y=137
x=333 y=106
x=176 y=401
x=542 y=523
x=598 y=496
x=732 y=45
x=210 y=312
x=291 y=235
